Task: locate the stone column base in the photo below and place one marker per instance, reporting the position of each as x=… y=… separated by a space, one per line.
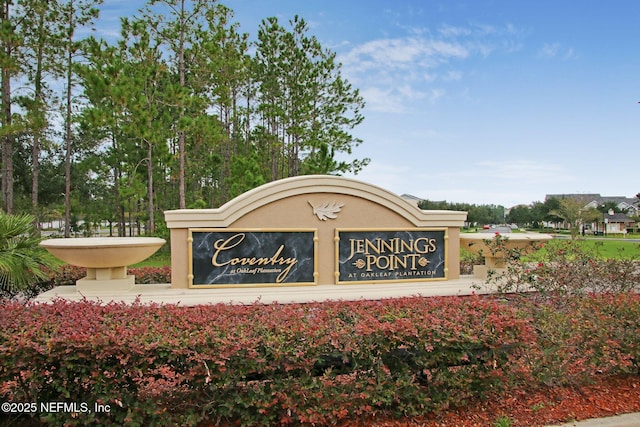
x=90 y=286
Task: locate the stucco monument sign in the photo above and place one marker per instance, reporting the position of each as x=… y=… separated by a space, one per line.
x=313 y=230
x=307 y=238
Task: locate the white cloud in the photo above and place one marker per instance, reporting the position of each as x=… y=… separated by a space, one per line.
x=383 y=100
x=522 y=170
x=393 y=73
x=452 y=76
x=451 y=31
x=388 y=176
x=504 y=182
x=570 y=54
x=401 y=53
x=436 y=94
x=508 y=175
x=549 y=50
x=553 y=50
x=508 y=182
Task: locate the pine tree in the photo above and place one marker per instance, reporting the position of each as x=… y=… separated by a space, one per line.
x=176 y=30
x=42 y=60
x=10 y=42
x=74 y=14
x=305 y=104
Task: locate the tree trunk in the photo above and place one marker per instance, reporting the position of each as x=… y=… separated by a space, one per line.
x=7 y=144
x=181 y=136
x=35 y=160
x=67 y=155
x=150 y=204
x=38 y=122
x=7 y=141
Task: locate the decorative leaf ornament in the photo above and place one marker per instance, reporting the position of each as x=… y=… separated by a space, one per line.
x=327 y=210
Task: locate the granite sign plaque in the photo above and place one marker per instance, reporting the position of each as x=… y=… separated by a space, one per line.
x=390 y=255
x=237 y=257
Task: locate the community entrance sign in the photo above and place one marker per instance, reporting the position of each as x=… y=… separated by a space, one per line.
x=310 y=230
x=248 y=257
x=390 y=255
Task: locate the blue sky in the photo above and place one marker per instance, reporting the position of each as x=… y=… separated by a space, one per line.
x=480 y=101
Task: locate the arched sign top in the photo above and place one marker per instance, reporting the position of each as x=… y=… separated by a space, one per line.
x=274 y=191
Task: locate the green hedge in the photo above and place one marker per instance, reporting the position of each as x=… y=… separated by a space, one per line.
x=313 y=364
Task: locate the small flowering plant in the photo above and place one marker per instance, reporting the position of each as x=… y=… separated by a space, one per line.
x=515 y=273
x=564 y=267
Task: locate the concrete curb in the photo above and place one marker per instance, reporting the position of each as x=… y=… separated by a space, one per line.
x=626 y=420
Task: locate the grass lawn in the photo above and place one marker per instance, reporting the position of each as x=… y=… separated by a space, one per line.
x=615 y=248
x=606 y=248
x=161 y=258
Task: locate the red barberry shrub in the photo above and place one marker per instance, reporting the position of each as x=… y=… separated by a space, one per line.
x=277 y=364
x=303 y=364
x=69 y=274
x=147 y=275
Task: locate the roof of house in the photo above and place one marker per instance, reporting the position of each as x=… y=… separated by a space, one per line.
x=618 y=217
x=588 y=197
x=597 y=198
x=411 y=197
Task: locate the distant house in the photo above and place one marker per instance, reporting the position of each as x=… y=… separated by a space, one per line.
x=617 y=223
x=412 y=199
x=629 y=205
x=625 y=204
x=614 y=223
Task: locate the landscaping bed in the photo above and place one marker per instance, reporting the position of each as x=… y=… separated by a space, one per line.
x=605 y=397
x=325 y=363
x=567 y=349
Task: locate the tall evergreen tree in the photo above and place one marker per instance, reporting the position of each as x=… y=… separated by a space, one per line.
x=74 y=14
x=102 y=121
x=146 y=79
x=42 y=61
x=177 y=107
x=304 y=101
x=227 y=67
x=11 y=40
x=176 y=30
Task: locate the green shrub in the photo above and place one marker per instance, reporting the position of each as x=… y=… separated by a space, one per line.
x=322 y=363
x=583 y=307
x=305 y=364
x=467 y=260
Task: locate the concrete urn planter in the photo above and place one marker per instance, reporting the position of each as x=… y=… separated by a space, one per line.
x=105 y=258
x=479 y=243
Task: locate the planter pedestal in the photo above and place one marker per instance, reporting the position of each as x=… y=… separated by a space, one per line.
x=105 y=258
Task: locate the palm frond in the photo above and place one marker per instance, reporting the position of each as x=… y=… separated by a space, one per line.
x=22 y=261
